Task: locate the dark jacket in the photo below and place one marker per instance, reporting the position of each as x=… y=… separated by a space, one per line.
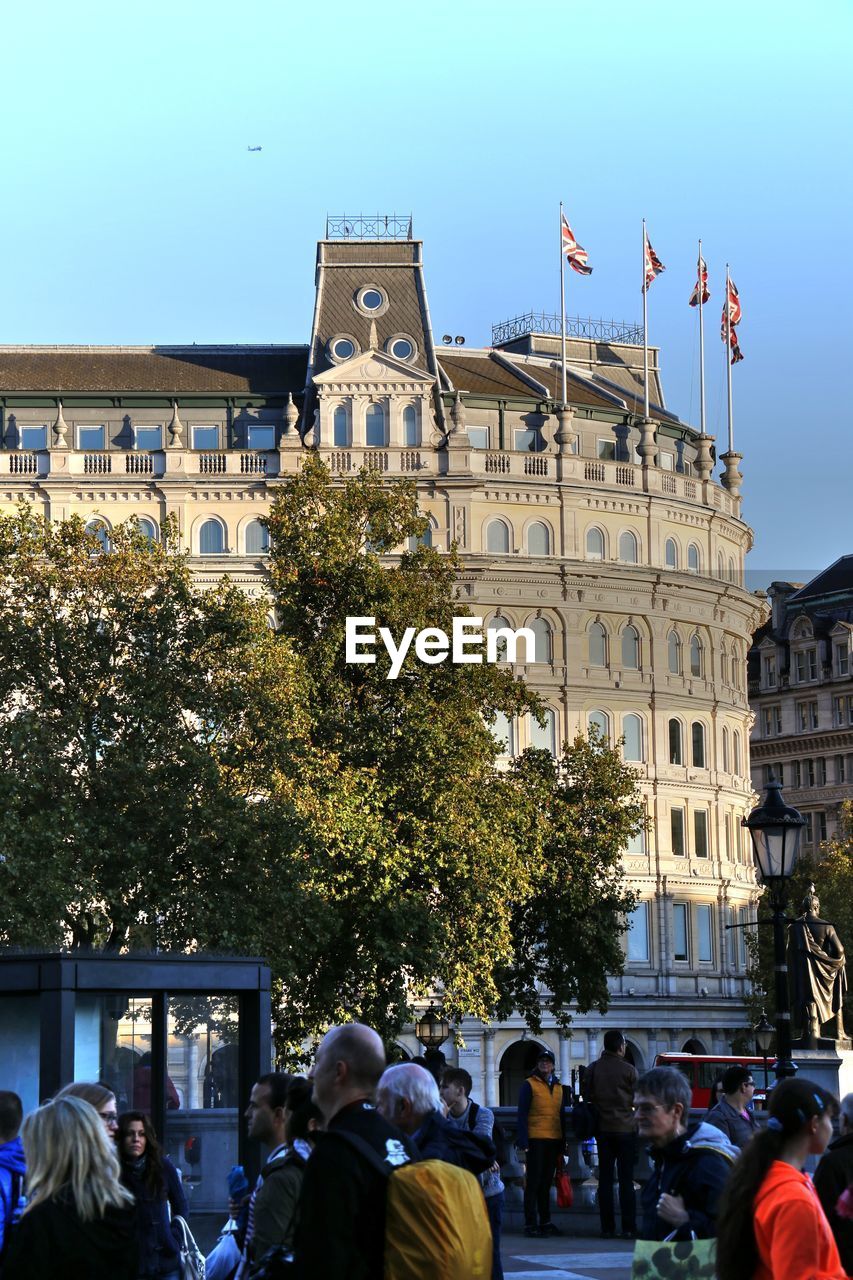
x=12 y=1170
x=159 y=1251
x=732 y=1123
x=341 y=1228
x=695 y=1166
x=525 y=1098
x=833 y=1175
x=276 y=1203
x=50 y=1241
x=437 y=1139
x=609 y=1085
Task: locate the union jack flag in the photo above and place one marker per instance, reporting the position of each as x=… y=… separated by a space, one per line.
x=576 y=255
x=700 y=293
x=654 y=266
x=733 y=308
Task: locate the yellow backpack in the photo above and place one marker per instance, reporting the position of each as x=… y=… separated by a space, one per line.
x=436 y=1224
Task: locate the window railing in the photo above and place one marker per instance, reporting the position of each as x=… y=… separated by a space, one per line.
x=212 y=464
x=97 y=464
x=139 y=464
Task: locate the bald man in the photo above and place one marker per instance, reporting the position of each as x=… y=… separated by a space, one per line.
x=341 y=1231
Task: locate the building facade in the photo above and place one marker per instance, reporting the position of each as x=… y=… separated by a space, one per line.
x=606 y=533
x=801 y=689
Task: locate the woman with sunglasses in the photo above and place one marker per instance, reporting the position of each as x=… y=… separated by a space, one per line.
x=770 y=1224
x=148 y=1173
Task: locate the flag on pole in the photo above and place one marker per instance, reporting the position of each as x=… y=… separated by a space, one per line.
x=733 y=311
x=576 y=255
x=700 y=294
x=654 y=266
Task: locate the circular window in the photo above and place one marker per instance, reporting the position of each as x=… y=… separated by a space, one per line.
x=370 y=301
x=342 y=348
x=402 y=349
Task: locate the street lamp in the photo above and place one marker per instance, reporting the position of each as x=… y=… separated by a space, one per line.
x=763 y=1039
x=776 y=831
x=431 y=1029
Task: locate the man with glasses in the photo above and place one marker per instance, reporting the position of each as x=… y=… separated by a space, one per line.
x=731 y=1114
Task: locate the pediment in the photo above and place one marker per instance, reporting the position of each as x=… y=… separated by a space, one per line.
x=767 y=643
x=374 y=367
x=841 y=629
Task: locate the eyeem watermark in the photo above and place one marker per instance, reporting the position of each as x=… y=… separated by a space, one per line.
x=433 y=645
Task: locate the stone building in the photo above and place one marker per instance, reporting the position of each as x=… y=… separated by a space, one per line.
x=801 y=689
x=608 y=534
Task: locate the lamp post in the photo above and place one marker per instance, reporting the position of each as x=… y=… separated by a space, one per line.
x=776 y=830
x=763 y=1039
x=431 y=1030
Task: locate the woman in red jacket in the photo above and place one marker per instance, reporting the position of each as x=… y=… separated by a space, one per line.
x=770 y=1224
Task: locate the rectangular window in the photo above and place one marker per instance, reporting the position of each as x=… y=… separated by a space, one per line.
x=842 y=659
x=837 y=712
x=33 y=437
x=479 y=437
x=636 y=846
x=745 y=917
x=800 y=667
x=606 y=450
x=261 y=436
x=89 y=438
x=666 y=462
x=821 y=771
x=811 y=659
x=638 y=934
x=808 y=833
x=807 y=717
x=676 y=826
x=798 y=773
x=768 y=670
x=777 y=719
x=728 y=827
x=810 y=774
x=679 y=931
x=813 y=717
x=704 y=934
x=148 y=437
x=840 y=771
x=767 y=722
x=205 y=437
x=820 y=825
x=700 y=833
x=528 y=441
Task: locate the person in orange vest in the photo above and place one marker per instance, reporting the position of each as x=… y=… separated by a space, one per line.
x=542 y=1137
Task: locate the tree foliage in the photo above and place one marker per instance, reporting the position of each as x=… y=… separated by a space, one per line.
x=173 y=770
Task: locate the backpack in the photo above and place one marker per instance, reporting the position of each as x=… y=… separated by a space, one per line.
x=584 y=1115
x=436 y=1223
x=500 y=1137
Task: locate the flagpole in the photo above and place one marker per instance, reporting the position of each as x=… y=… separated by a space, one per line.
x=729 y=360
x=645 y=331
x=563 y=305
x=701 y=347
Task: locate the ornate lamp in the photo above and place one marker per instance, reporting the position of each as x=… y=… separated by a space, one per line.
x=763 y=1030
x=432 y=1029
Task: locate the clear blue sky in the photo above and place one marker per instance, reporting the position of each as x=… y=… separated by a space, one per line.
x=133 y=211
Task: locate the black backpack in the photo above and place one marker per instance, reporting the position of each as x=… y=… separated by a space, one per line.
x=500 y=1137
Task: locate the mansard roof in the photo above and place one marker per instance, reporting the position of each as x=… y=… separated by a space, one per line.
x=838 y=577
x=486 y=373
x=164 y=370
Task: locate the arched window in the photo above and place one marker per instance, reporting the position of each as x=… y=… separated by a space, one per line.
x=721 y=565
x=597 y=645
x=695 y=656
x=423 y=540
x=673 y=645
x=697 y=734
x=538 y=540
x=628 y=547
x=374 y=427
x=671 y=554
x=694 y=560
x=676 y=755
x=410 y=426
x=147 y=528
x=630 y=649
x=498 y=623
x=724 y=665
x=632 y=731
x=594 y=544
x=341 y=427
x=544 y=736
x=503 y=731
x=497 y=537
x=101 y=531
x=541 y=629
x=731 y=569
x=257 y=539
x=211 y=539
x=600 y=720
x=726 y=759
x=736 y=752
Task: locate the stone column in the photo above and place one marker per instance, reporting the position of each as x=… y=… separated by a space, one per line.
x=565 y=1058
x=489 y=1078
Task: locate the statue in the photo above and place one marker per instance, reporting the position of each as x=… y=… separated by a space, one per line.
x=817 y=974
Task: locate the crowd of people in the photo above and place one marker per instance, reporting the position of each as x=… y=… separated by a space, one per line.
x=374 y=1170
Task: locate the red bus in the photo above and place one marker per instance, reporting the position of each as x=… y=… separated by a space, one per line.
x=703 y=1069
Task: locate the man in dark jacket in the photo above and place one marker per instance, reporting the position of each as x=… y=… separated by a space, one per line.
x=690 y=1165
x=609 y=1085
x=542 y=1137
x=408 y=1097
x=273 y=1201
x=12 y=1167
x=341 y=1230
x=730 y=1115
x=833 y=1175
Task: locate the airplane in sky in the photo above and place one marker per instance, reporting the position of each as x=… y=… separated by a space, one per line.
x=254 y=148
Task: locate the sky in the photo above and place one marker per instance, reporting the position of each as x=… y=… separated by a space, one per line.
x=135 y=213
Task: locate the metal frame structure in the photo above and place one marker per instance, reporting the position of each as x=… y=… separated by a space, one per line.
x=576 y=327
x=374 y=226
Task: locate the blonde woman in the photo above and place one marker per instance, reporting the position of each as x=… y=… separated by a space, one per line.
x=79 y=1222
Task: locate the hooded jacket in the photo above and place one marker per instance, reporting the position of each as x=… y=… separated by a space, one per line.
x=50 y=1241
x=792 y=1234
x=12 y=1170
x=438 y=1139
x=696 y=1166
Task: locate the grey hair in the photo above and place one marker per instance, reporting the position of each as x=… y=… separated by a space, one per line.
x=415 y=1084
x=847 y=1109
x=667 y=1086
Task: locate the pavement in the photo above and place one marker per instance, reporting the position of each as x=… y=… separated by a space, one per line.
x=565 y=1258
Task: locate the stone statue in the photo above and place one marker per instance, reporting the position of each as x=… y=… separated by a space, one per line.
x=817 y=975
